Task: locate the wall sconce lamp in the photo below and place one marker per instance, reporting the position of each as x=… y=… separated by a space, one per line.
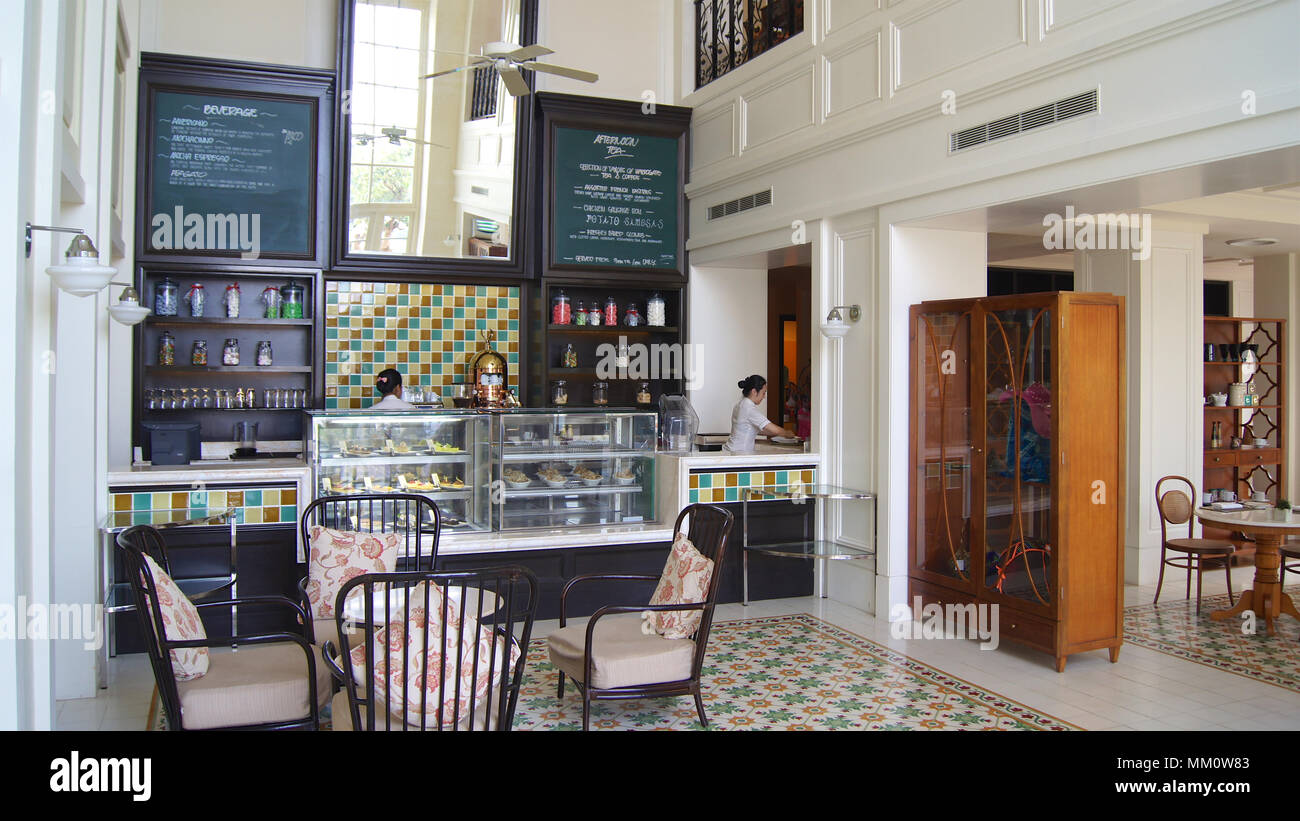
x=81 y=274
x=128 y=310
x=835 y=327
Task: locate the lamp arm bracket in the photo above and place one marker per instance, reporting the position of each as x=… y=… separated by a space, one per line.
x=27 y=235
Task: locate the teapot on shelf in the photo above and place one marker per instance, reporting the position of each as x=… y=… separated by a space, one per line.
x=1219 y=400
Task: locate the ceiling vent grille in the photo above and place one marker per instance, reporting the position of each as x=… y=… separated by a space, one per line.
x=745 y=203
x=480 y=190
x=1070 y=107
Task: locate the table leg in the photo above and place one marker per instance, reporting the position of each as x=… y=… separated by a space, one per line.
x=1266 y=598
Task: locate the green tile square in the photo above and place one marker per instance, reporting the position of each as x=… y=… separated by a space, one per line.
x=331 y=333
x=426 y=313
x=482 y=291
x=491 y=313
x=733 y=494
x=781 y=478
x=706 y=480
x=436 y=301
x=458 y=346
x=142 y=501
x=391 y=311
x=402 y=333
x=354 y=379
x=367 y=333
x=502 y=302
x=367 y=299
x=512 y=324
x=426 y=346
x=332 y=298
x=252 y=498
x=239 y=511
x=742 y=480
x=459 y=313
x=695 y=496
x=403 y=299
x=354 y=310
x=198 y=498
x=141 y=519
x=332 y=368
x=447 y=356
x=390 y=345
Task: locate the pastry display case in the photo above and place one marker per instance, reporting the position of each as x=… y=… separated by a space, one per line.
x=573 y=467
x=442 y=455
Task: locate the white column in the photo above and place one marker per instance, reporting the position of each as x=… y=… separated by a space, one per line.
x=1163 y=305
x=1277 y=296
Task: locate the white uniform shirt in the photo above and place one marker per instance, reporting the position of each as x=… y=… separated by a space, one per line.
x=747 y=422
x=391 y=402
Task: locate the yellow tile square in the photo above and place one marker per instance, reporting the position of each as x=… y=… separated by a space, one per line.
x=271 y=498
x=253 y=515
x=216 y=498
x=161 y=501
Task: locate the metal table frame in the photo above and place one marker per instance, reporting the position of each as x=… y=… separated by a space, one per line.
x=820 y=550
x=196 y=588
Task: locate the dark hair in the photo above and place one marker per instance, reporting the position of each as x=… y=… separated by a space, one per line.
x=752 y=383
x=388 y=381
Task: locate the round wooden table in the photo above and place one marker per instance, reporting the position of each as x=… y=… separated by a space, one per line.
x=1266 y=598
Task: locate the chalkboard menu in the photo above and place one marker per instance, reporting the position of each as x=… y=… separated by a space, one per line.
x=231 y=174
x=616 y=199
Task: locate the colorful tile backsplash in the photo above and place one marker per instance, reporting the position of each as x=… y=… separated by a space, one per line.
x=425 y=330
x=253 y=506
x=726 y=486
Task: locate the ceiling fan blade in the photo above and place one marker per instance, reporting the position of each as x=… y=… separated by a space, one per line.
x=529 y=52
x=453 y=70
x=515 y=82
x=571 y=73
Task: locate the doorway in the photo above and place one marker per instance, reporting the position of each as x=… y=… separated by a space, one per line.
x=789 y=343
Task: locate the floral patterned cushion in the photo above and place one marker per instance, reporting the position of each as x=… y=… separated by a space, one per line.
x=339 y=555
x=395 y=642
x=181 y=622
x=685 y=580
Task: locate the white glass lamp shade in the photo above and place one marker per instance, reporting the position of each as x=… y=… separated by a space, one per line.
x=81 y=274
x=835 y=328
x=128 y=310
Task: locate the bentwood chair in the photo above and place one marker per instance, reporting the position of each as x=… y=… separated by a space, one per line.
x=1290 y=553
x=611 y=658
x=273 y=682
x=1175 y=508
x=463 y=634
x=416 y=518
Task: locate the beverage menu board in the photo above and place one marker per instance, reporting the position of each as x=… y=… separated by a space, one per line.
x=616 y=200
x=232 y=174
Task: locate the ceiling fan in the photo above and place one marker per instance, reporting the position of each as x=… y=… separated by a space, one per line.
x=509 y=58
x=394 y=135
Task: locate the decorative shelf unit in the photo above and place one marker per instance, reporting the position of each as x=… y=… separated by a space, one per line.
x=1017 y=451
x=294 y=345
x=1249 y=468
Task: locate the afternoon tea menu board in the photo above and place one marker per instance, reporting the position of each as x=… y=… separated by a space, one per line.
x=232 y=173
x=615 y=199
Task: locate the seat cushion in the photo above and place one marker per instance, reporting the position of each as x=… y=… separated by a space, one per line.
x=685 y=580
x=622 y=655
x=181 y=622
x=342 y=718
x=1202 y=545
x=339 y=555
x=258 y=684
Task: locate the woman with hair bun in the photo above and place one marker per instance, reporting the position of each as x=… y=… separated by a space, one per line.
x=389 y=385
x=747 y=421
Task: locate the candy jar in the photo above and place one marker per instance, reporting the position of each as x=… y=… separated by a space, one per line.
x=654 y=310
x=580 y=314
x=231 y=301
x=560 y=393
x=167 y=349
x=633 y=317
x=569 y=359
x=561 y=310
x=600 y=393
x=230 y=352
x=164 y=298
x=643 y=394
x=271 y=302
x=611 y=311
x=199 y=352
x=263 y=354
x=291 y=301
x=196 y=296
x=595 y=316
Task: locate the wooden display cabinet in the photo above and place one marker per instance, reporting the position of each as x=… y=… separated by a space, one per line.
x=1017 y=452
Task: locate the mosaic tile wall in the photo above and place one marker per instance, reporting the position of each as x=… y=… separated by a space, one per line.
x=253 y=506
x=427 y=331
x=725 y=486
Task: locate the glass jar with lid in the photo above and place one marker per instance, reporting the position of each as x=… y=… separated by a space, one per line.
x=167 y=349
x=611 y=311
x=561 y=310
x=600 y=393
x=580 y=314
x=655 y=313
x=199 y=352
x=264 y=353
x=569 y=357
x=230 y=352
x=643 y=394
x=165 y=298
x=633 y=317
x=560 y=392
x=291 y=301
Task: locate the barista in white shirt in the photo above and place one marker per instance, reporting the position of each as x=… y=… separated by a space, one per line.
x=747 y=421
x=389 y=385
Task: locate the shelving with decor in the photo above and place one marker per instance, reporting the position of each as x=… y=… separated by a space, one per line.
x=168 y=393
x=660 y=362
x=1017 y=427
x=1250 y=467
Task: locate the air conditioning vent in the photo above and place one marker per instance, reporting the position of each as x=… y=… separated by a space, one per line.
x=480 y=190
x=745 y=203
x=1070 y=107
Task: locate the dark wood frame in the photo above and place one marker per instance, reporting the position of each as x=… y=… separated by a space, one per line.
x=625 y=117
x=502 y=695
x=479 y=270
x=172 y=73
x=315 y=348
x=710 y=531
x=140 y=540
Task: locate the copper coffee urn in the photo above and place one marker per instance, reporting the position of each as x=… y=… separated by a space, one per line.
x=487 y=370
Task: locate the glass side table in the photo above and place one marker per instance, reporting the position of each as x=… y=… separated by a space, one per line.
x=810 y=548
x=116 y=595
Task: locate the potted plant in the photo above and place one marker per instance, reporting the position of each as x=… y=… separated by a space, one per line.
x=1282 y=512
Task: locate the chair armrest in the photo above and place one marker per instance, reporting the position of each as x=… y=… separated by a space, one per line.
x=309 y=626
x=277 y=600
x=328 y=653
x=564 y=595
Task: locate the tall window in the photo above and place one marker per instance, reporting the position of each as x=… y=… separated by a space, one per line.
x=386 y=117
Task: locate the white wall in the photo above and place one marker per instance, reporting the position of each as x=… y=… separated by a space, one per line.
x=1242 y=278
x=631 y=44
x=288 y=32
x=728 y=329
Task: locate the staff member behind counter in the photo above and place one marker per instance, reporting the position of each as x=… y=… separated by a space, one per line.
x=389 y=385
x=747 y=421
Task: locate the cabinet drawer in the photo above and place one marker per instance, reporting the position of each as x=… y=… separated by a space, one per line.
x=1027 y=630
x=1220 y=460
x=1272 y=456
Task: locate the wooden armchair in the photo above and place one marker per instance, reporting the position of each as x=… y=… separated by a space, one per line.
x=273 y=682
x=611 y=658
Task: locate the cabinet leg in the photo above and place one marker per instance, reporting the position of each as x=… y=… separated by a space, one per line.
x=1114 y=654
x=1060 y=663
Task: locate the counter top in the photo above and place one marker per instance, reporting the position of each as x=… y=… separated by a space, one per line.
x=261 y=470
x=763 y=455
x=552 y=538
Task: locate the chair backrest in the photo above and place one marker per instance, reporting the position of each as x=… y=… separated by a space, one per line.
x=1175 y=506
x=135 y=542
x=415 y=517
x=482 y=618
x=710 y=531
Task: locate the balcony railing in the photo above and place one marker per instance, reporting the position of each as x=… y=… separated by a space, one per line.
x=733 y=32
x=483 y=96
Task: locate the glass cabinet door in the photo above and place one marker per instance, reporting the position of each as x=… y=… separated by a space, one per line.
x=1017 y=442
x=943 y=438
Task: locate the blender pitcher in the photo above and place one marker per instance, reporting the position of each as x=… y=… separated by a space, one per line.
x=246 y=440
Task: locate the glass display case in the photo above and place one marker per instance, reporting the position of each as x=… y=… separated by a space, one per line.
x=573 y=467
x=442 y=455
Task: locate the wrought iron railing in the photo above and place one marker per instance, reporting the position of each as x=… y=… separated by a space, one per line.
x=483 y=96
x=729 y=33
